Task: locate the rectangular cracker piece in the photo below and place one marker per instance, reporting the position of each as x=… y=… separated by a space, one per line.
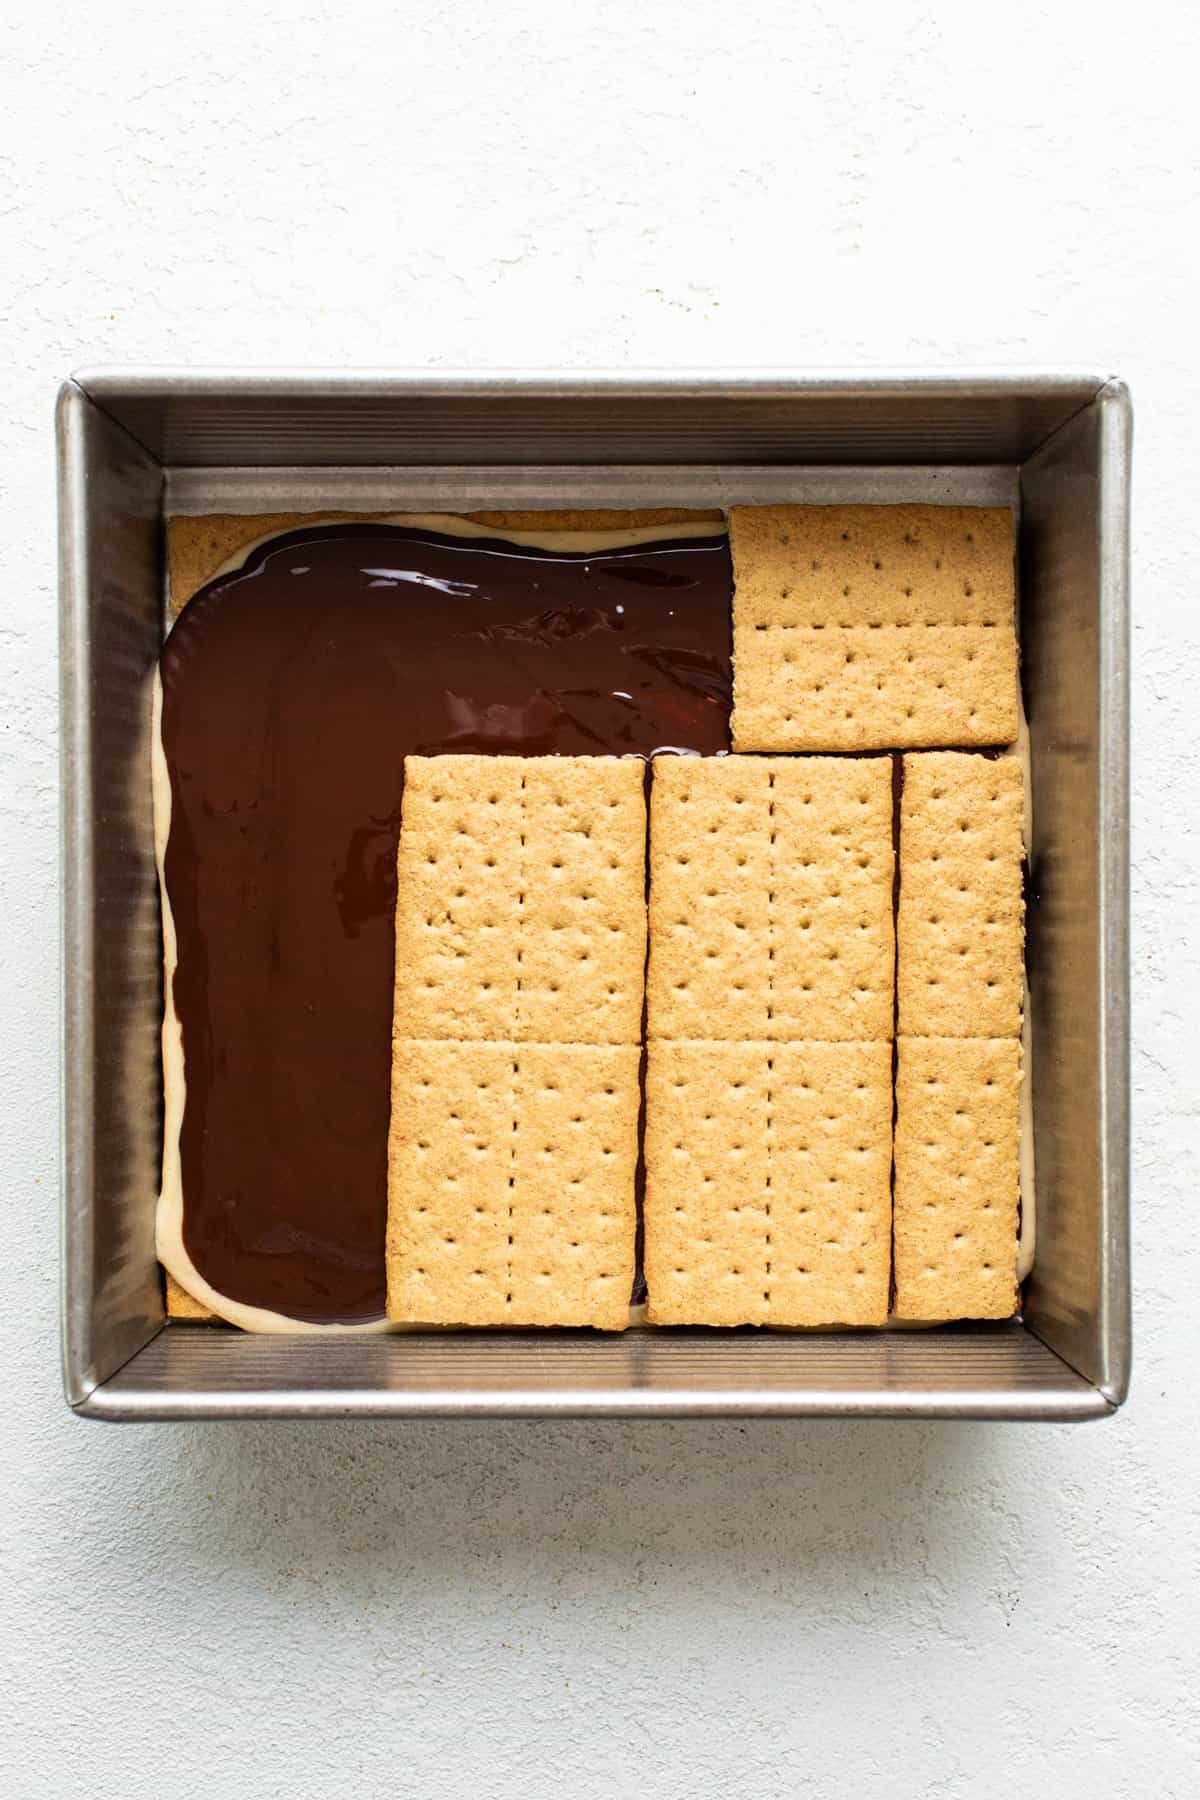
x=960 y=926
x=520 y=906
x=511 y=1183
x=768 y=1183
x=771 y=898
x=872 y=627
x=873 y=565
x=817 y=688
x=956 y=1200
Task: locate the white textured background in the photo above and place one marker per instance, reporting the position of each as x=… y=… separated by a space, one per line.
x=575 y=1610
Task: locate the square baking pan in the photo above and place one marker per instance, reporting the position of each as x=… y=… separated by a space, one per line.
x=137 y=445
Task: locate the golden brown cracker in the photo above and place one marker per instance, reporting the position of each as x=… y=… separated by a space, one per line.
x=873 y=565
x=520 y=907
x=872 y=627
x=198 y=547
x=511 y=1183
x=181 y=1305
x=960 y=927
x=771 y=898
x=816 y=688
x=767 y=1183
x=957 y=1179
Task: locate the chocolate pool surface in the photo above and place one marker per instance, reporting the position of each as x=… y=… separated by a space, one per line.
x=293 y=689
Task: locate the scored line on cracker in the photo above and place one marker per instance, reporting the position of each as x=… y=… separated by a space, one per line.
x=512 y=1179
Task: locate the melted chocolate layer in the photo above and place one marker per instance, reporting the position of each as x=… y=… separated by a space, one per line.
x=292 y=692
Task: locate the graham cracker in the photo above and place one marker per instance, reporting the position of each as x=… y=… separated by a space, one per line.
x=768 y=1183
x=180 y=1304
x=872 y=627
x=957 y=1180
x=511 y=1183
x=521 y=900
x=198 y=547
x=771 y=898
x=960 y=926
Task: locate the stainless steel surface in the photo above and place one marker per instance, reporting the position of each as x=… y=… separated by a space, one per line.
x=564 y=484
x=1075 y=620
x=1001 y=1372
x=233 y=442
x=243 y=417
x=109 y=495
